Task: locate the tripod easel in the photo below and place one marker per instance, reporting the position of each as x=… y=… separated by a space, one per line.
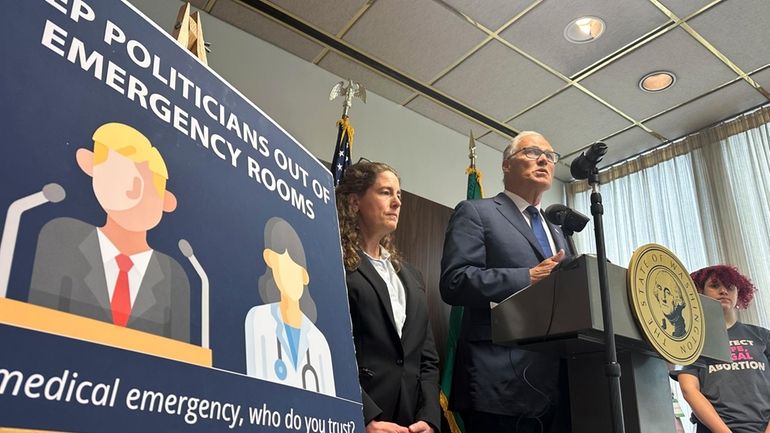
x=188 y=31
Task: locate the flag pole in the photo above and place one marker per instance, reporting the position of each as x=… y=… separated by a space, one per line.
x=474 y=191
x=472 y=150
x=344 y=144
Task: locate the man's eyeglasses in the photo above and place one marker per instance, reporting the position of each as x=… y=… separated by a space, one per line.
x=534 y=153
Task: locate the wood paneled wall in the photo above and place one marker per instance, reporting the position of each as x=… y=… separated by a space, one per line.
x=420 y=237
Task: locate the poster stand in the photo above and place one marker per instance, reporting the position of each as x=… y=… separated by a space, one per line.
x=188 y=31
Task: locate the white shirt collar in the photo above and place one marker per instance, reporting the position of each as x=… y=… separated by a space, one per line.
x=396 y=290
x=108 y=252
x=520 y=203
x=384 y=254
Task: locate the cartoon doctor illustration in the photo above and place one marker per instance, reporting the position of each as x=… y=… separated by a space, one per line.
x=283 y=345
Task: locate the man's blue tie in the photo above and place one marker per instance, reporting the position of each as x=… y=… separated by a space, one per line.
x=537 y=227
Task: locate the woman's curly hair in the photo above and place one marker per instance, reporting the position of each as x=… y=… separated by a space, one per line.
x=358 y=178
x=729 y=276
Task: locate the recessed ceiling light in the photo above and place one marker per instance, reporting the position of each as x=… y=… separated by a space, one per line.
x=584 y=29
x=657 y=81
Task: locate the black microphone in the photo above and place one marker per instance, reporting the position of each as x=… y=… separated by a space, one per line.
x=582 y=165
x=569 y=220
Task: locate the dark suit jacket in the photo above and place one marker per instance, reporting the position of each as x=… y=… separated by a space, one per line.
x=399 y=376
x=68 y=275
x=488 y=251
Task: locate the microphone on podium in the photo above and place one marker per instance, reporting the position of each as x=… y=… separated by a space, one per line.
x=187 y=250
x=51 y=193
x=569 y=220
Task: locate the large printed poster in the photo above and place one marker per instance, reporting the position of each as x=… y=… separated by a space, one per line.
x=170 y=256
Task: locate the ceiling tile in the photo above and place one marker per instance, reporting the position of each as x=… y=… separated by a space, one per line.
x=696 y=70
x=683 y=8
x=570 y=120
x=739 y=30
x=345 y=68
x=499 y=82
x=540 y=33
x=761 y=68
x=200 y=4
x=495 y=140
x=627 y=144
x=423 y=37
x=762 y=78
x=490 y=13
x=450 y=119
x=266 y=29
x=317 y=12
x=417 y=37
x=722 y=104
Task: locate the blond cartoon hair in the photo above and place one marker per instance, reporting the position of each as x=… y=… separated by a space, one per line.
x=132 y=144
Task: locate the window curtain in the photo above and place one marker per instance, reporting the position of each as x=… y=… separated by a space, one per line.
x=706 y=198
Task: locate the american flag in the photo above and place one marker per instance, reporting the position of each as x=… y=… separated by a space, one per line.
x=341 y=158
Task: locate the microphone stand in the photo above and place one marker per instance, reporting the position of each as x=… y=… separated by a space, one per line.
x=611 y=368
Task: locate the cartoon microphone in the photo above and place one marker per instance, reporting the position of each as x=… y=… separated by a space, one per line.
x=187 y=251
x=51 y=193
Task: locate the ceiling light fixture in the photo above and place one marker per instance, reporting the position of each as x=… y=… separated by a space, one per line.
x=584 y=29
x=657 y=81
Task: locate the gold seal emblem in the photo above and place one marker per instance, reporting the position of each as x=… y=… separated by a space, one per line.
x=666 y=304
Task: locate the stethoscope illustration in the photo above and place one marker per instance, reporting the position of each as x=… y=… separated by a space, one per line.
x=281 y=371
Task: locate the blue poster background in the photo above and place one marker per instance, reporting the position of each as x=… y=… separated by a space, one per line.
x=50 y=108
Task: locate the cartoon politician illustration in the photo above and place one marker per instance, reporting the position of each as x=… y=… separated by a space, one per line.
x=283 y=345
x=110 y=273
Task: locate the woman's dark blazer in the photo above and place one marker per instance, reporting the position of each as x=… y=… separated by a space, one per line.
x=399 y=376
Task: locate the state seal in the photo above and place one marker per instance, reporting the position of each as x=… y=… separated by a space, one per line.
x=666 y=304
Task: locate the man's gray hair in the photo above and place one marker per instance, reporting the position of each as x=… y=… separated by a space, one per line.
x=512 y=147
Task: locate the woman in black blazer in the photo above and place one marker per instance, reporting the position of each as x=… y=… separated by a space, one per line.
x=397 y=360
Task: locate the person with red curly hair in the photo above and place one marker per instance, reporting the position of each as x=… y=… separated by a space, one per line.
x=731 y=397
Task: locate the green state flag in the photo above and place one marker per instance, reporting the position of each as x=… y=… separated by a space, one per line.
x=475 y=191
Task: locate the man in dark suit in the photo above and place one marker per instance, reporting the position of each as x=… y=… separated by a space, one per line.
x=69 y=275
x=493 y=248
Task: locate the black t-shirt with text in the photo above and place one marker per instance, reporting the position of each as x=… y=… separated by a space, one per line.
x=740 y=390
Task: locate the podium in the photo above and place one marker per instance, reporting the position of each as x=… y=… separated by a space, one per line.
x=562 y=315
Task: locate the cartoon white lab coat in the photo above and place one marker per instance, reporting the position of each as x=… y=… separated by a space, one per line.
x=268 y=354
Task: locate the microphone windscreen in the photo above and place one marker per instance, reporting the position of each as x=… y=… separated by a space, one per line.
x=556 y=213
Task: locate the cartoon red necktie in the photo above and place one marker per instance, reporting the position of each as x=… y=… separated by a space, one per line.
x=121 y=296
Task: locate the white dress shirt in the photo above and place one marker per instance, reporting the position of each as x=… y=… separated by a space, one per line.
x=395 y=287
x=111 y=270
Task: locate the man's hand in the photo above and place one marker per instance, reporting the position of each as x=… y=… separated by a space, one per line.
x=420 y=427
x=385 y=427
x=544 y=268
